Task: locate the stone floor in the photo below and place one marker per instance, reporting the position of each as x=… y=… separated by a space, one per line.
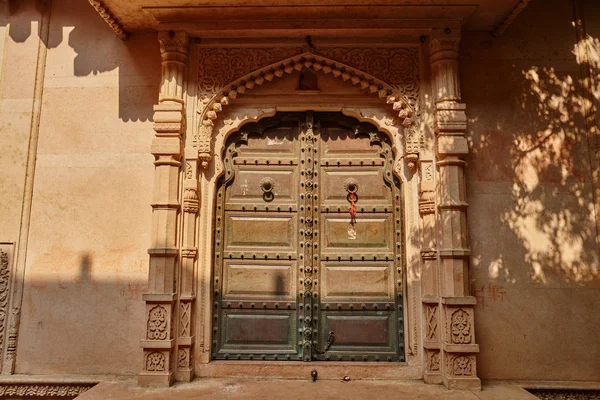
x=300 y=390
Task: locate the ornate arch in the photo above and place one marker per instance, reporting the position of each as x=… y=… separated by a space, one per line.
x=400 y=102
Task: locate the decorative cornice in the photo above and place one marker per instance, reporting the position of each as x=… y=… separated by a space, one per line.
x=114 y=24
x=499 y=30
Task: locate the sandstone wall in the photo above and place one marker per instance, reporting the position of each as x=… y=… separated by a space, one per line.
x=87 y=257
x=535 y=267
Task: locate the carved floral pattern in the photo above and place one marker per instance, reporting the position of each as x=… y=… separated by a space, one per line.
x=397 y=67
x=433 y=361
x=225 y=73
x=460 y=326
x=4 y=290
x=157 y=323
x=182 y=358
x=557 y=394
x=461 y=365
x=155 y=361
x=42 y=390
x=218 y=67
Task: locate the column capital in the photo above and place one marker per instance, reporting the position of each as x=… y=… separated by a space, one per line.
x=443 y=44
x=173 y=42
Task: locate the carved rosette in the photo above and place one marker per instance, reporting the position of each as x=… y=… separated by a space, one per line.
x=226 y=73
x=156 y=361
x=460 y=365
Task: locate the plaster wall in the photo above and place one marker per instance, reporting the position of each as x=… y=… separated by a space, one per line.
x=87 y=262
x=535 y=268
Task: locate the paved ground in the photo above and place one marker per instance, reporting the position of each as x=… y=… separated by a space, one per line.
x=301 y=390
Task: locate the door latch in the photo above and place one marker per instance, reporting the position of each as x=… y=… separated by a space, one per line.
x=330 y=339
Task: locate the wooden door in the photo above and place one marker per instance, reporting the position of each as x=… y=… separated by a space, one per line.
x=297 y=277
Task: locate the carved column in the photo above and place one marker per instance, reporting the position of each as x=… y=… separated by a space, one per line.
x=458 y=362
x=167 y=147
x=429 y=274
x=187 y=288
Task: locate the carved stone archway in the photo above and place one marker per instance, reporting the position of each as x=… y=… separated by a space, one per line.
x=407 y=110
x=177 y=331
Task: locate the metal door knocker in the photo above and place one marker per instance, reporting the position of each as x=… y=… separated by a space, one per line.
x=351 y=186
x=267 y=185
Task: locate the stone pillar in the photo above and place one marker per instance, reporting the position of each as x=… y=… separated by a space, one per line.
x=429 y=273
x=458 y=348
x=187 y=285
x=167 y=147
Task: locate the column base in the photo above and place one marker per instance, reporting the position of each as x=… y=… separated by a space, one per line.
x=155 y=380
x=431 y=378
x=184 y=375
x=454 y=383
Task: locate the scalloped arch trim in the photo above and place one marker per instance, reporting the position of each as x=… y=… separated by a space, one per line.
x=320 y=64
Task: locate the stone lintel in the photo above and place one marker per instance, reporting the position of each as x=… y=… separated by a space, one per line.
x=460 y=348
x=186 y=340
x=187 y=297
x=163 y=251
x=431 y=345
x=429 y=299
x=459 y=301
x=157 y=344
x=159 y=297
x=455 y=253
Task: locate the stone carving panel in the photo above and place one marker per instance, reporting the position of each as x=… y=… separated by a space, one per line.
x=156 y=362
x=461 y=365
x=5 y=262
x=431 y=317
x=433 y=360
x=398 y=67
x=157 y=323
x=42 y=390
x=184 y=318
x=460 y=327
x=390 y=73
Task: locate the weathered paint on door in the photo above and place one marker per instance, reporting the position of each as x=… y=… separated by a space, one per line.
x=297 y=277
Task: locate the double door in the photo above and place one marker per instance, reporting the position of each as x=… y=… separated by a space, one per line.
x=308 y=254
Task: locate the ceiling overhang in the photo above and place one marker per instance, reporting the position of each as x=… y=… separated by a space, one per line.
x=209 y=19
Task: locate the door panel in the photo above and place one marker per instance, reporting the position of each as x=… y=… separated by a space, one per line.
x=297 y=277
x=370 y=232
x=267 y=280
x=246 y=331
x=247 y=189
x=361 y=282
x=260 y=232
x=372 y=190
x=360 y=332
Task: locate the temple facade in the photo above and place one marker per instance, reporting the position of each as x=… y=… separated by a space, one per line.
x=389 y=190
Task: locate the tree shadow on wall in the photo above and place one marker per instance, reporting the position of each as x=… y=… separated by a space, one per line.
x=552 y=212
x=81 y=44
x=535 y=267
